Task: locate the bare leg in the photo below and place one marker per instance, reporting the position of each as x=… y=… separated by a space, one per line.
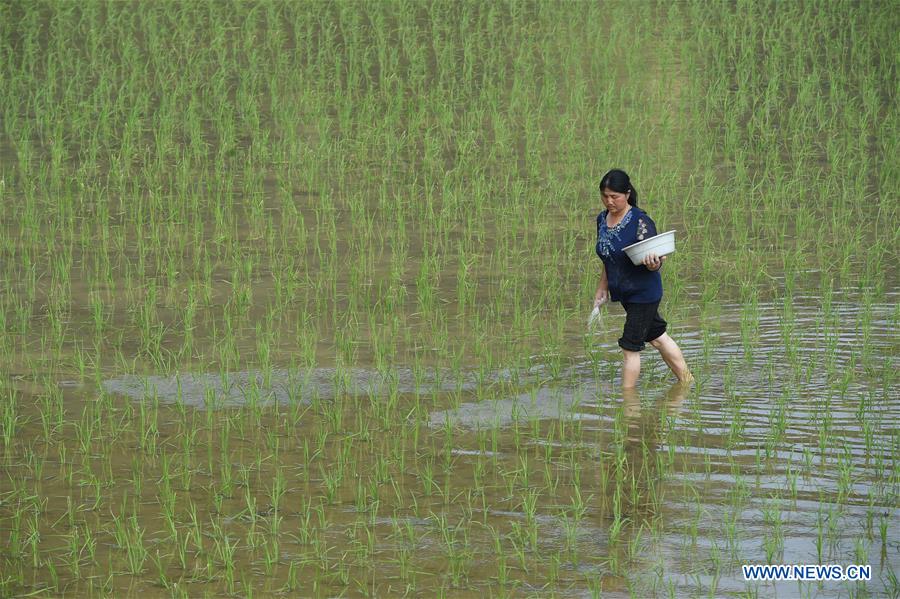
x=631 y=368
x=672 y=356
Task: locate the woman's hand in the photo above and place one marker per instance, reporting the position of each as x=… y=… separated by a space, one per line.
x=602 y=295
x=653 y=262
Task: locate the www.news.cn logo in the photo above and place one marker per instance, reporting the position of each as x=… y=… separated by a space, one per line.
x=806 y=572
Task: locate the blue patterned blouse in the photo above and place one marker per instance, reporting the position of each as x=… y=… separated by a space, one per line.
x=627 y=282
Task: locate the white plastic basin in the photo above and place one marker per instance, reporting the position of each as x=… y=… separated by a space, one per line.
x=661 y=245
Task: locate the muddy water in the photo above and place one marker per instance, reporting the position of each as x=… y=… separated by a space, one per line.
x=748 y=449
x=783 y=451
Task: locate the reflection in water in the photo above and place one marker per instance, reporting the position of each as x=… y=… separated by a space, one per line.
x=283 y=386
x=541 y=403
x=633 y=474
x=646 y=428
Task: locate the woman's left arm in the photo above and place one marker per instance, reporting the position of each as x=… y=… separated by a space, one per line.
x=653 y=262
x=646 y=230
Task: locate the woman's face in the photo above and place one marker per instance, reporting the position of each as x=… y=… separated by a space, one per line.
x=614 y=200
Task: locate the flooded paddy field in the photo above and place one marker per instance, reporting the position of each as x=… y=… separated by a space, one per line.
x=295 y=299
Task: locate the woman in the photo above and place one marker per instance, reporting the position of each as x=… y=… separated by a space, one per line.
x=638 y=287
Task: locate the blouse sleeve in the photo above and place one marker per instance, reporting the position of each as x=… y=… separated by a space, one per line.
x=646 y=228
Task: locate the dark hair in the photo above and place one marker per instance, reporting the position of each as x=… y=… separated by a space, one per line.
x=618 y=181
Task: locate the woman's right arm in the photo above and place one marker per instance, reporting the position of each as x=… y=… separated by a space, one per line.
x=602 y=295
